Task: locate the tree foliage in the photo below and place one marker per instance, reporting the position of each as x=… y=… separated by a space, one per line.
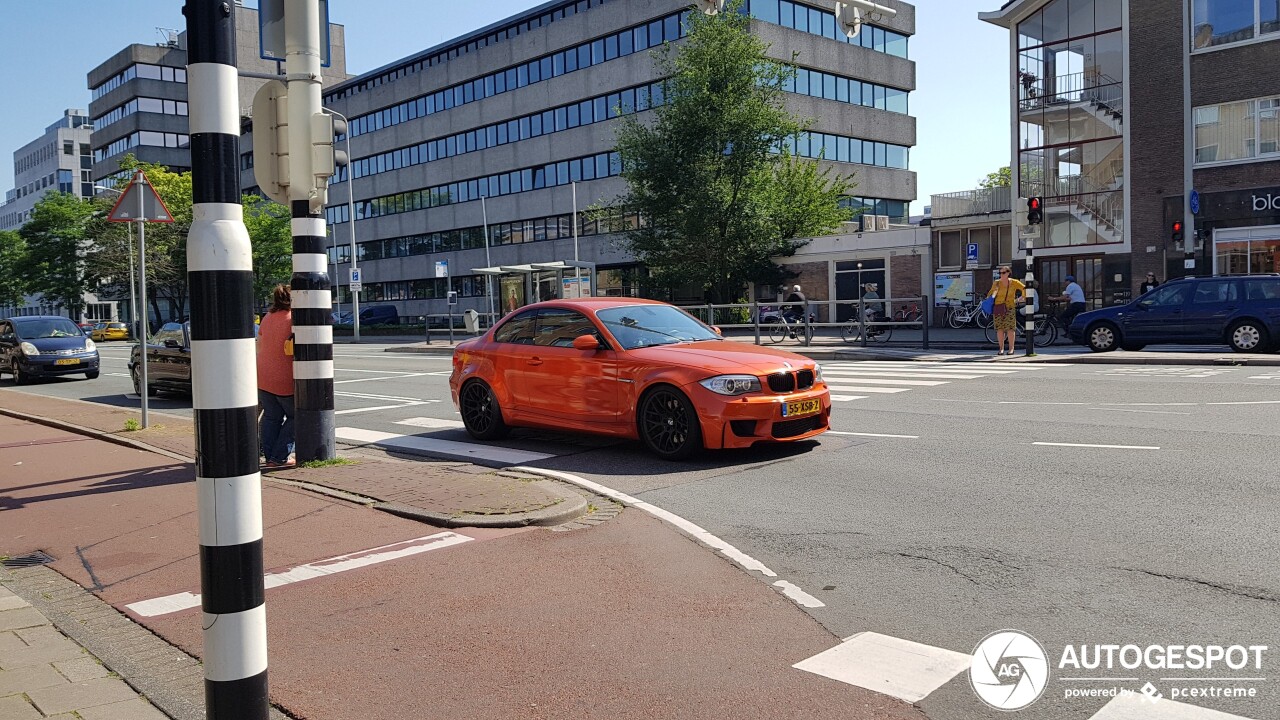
x=271 y=233
x=711 y=174
x=13 y=268
x=1000 y=178
x=60 y=252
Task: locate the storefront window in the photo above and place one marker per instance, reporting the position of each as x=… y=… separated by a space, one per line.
x=1242 y=257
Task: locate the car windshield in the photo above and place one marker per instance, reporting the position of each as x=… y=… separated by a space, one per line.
x=47 y=328
x=637 y=326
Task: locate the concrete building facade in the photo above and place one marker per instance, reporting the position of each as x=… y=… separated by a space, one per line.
x=57 y=161
x=499 y=127
x=1123 y=109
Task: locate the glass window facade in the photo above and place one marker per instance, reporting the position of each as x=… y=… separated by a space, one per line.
x=815 y=21
x=141 y=104
x=1244 y=130
x=1070 y=120
x=144 y=71
x=144 y=137
x=1222 y=22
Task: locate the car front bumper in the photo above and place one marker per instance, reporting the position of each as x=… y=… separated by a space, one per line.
x=48 y=365
x=743 y=421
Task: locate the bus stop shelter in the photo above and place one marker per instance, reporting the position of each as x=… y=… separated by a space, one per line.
x=519 y=285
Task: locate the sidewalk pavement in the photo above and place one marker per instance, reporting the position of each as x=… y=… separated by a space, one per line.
x=44 y=673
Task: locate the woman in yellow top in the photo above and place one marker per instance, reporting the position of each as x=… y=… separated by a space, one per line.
x=1006 y=292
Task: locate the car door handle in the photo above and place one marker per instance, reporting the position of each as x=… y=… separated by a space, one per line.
x=534 y=361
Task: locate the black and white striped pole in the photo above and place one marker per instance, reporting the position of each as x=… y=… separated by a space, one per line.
x=310 y=165
x=224 y=378
x=1035 y=216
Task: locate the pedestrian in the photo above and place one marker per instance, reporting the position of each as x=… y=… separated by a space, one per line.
x=1151 y=283
x=795 y=311
x=1006 y=292
x=275 y=380
x=1073 y=295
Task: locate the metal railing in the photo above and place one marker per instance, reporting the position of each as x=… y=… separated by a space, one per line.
x=971 y=202
x=757 y=315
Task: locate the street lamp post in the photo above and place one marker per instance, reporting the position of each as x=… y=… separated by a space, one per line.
x=488 y=279
x=351 y=220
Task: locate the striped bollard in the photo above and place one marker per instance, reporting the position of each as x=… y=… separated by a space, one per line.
x=224 y=378
x=312 y=338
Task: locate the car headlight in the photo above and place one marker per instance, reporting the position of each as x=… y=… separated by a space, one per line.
x=29 y=349
x=89 y=346
x=732 y=384
x=817 y=373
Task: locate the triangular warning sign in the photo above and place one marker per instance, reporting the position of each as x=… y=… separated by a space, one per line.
x=140 y=203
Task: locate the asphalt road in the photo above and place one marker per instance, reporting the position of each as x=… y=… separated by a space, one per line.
x=946 y=516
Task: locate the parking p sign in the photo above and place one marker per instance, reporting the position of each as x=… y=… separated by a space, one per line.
x=971 y=253
x=355 y=281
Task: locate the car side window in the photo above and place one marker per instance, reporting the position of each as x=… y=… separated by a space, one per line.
x=519 y=329
x=558 y=328
x=6 y=333
x=1167 y=297
x=1214 y=291
x=1262 y=289
x=169 y=331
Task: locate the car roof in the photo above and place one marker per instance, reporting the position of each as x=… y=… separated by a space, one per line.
x=593 y=303
x=24 y=318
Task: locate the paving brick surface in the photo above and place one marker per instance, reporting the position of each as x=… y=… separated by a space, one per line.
x=77 y=696
x=136 y=709
x=16 y=707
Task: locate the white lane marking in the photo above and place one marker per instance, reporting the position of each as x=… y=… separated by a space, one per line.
x=699 y=534
x=118 y=374
x=877 y=381
x=1136 y=706
x=892 y=666
x=1247 y=402
x=874 y=390
x=379 y=372
x=879 y=435
x=929 y=364
x=847 y=398
x=381 y=407
x=385 y=377
x=967 y=370
x=320 y=568
x=450 y=448
x=1110 y=447
x=429 y=422
x=928 y=376
x=368 y=396
x=1151 y=412
x=800 y=597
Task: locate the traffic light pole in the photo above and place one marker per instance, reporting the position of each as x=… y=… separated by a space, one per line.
x=311 y=288
x=224 y=378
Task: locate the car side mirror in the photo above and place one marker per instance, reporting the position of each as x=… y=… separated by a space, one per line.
x=172 y=344
x=716 y=329
x=586 y=342
x=1144 y=305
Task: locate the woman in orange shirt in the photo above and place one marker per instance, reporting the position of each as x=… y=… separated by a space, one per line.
x=275 y=380
x=1006 y=292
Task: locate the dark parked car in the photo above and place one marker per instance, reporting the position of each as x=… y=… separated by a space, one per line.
x=1242 y=311
x=168 y=360
x=380 y=315
x=45 y=346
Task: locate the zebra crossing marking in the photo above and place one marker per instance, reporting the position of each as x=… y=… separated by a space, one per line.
x=849 y=381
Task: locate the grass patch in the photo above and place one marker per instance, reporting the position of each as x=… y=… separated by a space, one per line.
x=326 y=463
x=132 y=425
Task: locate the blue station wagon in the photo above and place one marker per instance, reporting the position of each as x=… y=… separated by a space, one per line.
x=1241 y=311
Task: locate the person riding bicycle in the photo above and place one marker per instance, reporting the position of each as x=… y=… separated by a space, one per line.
x=1073 y=295
x=794 y=312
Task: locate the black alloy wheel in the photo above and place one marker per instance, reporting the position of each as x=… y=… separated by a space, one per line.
x=137 y=383
x=480 y=412
x=19 y=377
x=668 y=424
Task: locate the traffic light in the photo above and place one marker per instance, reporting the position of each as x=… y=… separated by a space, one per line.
x=1177 y=231
x=325 y=159
x=1035 y=214
x=271 y=141
x=1020 y=211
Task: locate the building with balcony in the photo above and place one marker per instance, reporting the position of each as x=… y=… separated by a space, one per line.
x=499 y=127
x=138 y=99
x=1122 y=108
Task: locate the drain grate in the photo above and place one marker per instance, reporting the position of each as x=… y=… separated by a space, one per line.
x=29 y=560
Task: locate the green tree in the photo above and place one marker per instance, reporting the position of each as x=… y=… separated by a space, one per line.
x=271 y=233
x=711 y=175
x=13 y=261
x=60 y=251
x=999 y=178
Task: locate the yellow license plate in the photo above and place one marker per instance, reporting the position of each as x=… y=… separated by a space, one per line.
x=66 y=362
x=801 y=407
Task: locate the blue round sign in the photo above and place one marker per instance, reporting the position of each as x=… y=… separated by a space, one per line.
x=1195 y=203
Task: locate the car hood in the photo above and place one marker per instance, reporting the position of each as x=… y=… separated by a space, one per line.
x=1107 y=313
x=720 y=357
x=76 y=342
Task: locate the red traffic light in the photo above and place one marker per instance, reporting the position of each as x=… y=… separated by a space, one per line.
x=1033 y=203
x=1034 y=215
x=1177 y=226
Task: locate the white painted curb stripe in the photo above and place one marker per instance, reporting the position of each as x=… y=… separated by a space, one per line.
x=800 y=597
x=450 y=448
x=428 y=422
x=847 y=398
x=230 y=510
x=697 y=532
x=1138 y=707
x=320 y=568
x=1109 y=447
x=233 y=649
x=891 y=666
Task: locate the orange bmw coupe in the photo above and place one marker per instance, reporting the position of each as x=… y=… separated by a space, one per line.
x=635 y=369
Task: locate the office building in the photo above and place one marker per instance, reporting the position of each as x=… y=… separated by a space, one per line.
x=1122 y=109
x=498 y=128
x=57 y=161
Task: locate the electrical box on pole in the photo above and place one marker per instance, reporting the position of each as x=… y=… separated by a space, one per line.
x=271 y=140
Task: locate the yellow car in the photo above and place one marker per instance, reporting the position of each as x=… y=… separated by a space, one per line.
x=109 y=331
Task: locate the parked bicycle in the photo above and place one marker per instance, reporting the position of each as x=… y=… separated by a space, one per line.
x=969 y=313
x=908 y=313
x=1046 y=327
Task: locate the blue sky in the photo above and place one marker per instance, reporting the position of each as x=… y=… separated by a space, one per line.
x=961 y=100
